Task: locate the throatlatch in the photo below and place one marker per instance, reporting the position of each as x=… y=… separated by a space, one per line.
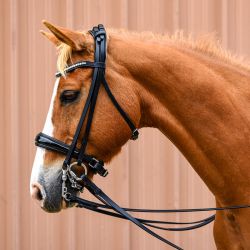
x=97 y=166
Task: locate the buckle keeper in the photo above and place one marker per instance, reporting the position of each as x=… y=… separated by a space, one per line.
x=97 y=166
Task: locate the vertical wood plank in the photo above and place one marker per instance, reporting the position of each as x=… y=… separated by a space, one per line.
x=4 y=43
x=12 y=119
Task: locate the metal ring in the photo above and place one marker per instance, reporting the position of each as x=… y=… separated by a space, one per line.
x=67 y=196
x=71 y=172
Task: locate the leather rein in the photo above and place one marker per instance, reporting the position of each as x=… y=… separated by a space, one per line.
x=107 y=206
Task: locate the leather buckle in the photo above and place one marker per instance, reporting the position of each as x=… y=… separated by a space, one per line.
x=97 y=166
x=135 y=134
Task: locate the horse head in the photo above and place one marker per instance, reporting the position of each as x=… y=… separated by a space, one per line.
x=108 y=131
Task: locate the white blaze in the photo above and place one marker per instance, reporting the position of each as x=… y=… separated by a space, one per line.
x=48 y=129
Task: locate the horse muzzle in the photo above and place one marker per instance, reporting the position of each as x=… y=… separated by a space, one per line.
x=46 y=189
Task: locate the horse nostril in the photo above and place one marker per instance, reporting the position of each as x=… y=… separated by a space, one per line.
x=36 y=192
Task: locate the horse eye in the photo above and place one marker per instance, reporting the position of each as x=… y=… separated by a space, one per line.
x=69 y=96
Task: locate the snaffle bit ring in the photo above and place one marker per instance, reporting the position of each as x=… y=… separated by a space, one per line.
x=73 y=175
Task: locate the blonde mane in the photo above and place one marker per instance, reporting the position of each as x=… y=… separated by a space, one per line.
x=207 y=44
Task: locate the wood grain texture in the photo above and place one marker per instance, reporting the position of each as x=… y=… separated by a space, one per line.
x=27 y=69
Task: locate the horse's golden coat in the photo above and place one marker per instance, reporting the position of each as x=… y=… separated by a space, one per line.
x=196 y=94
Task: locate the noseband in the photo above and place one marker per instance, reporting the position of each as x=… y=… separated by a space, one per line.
x=97 y=166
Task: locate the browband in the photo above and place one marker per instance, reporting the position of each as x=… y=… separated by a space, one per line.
x=82 y=64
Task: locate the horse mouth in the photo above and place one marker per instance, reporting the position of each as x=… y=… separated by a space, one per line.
x=47 y=190
x=54 y=208
x=53 y=202
x=67 y=204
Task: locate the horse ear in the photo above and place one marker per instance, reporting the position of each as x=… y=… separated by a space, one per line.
x=74 y=39
x=51 y=37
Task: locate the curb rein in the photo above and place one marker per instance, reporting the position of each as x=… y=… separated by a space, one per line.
x=97 y=166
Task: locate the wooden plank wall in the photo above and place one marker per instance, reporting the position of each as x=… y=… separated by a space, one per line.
x=27 y=69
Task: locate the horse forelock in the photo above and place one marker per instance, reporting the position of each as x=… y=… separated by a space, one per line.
x=64 y=55
x=65 y=52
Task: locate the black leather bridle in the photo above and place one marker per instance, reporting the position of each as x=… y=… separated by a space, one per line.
x=97 y=166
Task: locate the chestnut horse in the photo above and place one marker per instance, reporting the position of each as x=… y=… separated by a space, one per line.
x=194 y=92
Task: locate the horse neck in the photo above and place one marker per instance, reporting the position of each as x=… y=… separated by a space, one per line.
x=200 y=103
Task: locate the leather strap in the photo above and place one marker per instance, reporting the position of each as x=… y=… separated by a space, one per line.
x=99 y=194
x=82 y=64
x=89 y=122
x=142 y=223
x=50 y=143
x=135 y=132
x=69 y=155
x=104 y=209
